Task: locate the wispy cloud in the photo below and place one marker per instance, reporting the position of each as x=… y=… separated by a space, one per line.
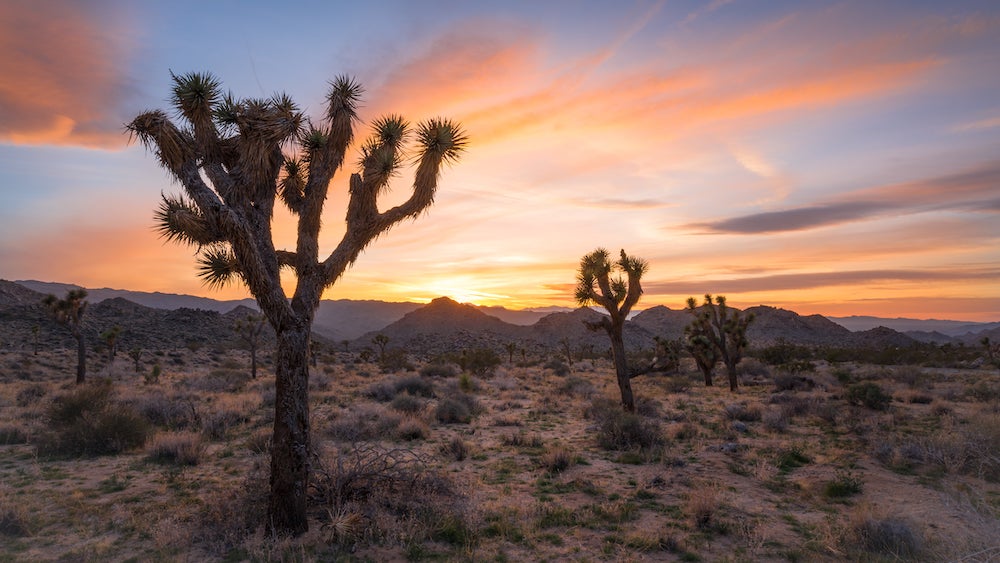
x=971 y=190
x=63 y=77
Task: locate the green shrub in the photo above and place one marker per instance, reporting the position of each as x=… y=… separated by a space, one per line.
x=438 y=369
x=395 y=360
x=870 y=395
x=404 y=402
x=479 y=361
x=458 y=408
x=620 y=430
x=845 y=484
x=414 y=385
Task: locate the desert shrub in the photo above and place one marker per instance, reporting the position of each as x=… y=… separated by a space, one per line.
x=220 y=381
x=576 y=385
x=843 y=485
x=869 y=394
x=479 y=361
x=703 y=504
x=620 y=430
x=395 y=360
x=388 y=495
x=175 y=412
x=983 y=391
x=153 y=377
x=889 y=536
x=10 y=435
x=225 y=416
x=753 y=368
x=911 y=376
x=790 y=458
x=88 y=420
x=455 y=449
x=438 y=369
x=30 y=394
x=742 y=412
x=557 y=366
x=14 y=517
x=557 y=460
x=411 y=428
x=522 y=439
x=776 y=419
x=404 y=402
x=651 y=408
x=364 y=423
x=458 y=408
x=260 y=441
x=414 y=385
x=677 y=384
x=177 y=448
x=785 y=381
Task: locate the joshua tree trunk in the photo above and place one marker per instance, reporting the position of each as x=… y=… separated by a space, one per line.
x=621 y=370
x=731 y=372
x=81 y=357
x=291 y=449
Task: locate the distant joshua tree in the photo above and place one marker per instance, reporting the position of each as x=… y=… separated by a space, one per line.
x=617 y=295
x=992 y=350
x=69 y=313
x=249 y=330
x=381 y=341
x=110 y=338
x=511 y=347
x=136 y=355
x=717 y=328
x=227 y=155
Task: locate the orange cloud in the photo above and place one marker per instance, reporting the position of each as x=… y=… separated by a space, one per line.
x=62 y=76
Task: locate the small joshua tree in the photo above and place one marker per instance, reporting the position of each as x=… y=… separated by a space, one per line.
x=110 y=338
x=249 y=330
x=69 y=313
x=617 y=295
x=381 y=341
x=724 y=328
x=698 y=343
x=136 y=355
x=511 y=347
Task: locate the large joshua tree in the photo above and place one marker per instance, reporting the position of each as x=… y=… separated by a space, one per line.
x=68 y=312
x=227 y=156
x=717 y=326
x=595 y=285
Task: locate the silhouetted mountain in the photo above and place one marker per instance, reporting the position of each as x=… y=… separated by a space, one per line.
x=933 y=337
x=858 y=323
x=344 y=319
x=155 y=300
x=664 y=322
x=771 y=324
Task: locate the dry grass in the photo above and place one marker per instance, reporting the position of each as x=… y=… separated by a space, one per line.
x=526 y=465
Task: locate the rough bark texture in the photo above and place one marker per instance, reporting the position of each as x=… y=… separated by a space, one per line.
x=621 y=369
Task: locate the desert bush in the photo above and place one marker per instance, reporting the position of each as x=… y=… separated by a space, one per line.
x=153 y=377
x=983 y=391
x=843 y=485
x=522 y=439
x=30 y=394
x=620 y=430
x=753 y=368
x=557 y=460
x=395 y=360
x=576 y=385
x=410 y=428
x=14 y=517
x=177 y=448
x=790 y=458
x=88 y=420
x=406 y=403
x=260 y=441
x=776 y=419
x=702 y=507
x=377 y=494
x=438 y=369
x=174 y=412
x=890 y=536
x=677 y=384
x=557 y=366
x=742 y=412
x=479 y=361
x=785 y=381
x=364 y=423
x=455 y=449
x=11 y=434
x=459 y=407
x=414 y=385
x=220 y=381
x=225 y=416
x=869 y=394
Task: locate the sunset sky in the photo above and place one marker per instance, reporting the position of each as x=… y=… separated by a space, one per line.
x=826 y=157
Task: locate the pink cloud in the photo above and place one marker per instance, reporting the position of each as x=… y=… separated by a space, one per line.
x=62 y=77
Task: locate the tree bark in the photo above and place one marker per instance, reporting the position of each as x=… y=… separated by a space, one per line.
x=621 y=369
x=290 y=448
x=253 y=361
x=81 y=357
x=731 y=372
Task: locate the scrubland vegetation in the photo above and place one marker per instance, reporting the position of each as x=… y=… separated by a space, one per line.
x=425 y=460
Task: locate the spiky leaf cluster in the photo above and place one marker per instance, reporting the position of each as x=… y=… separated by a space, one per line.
x=69 y=310
x=596 y=285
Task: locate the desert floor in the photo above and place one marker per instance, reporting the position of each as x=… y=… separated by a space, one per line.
x=530 y=463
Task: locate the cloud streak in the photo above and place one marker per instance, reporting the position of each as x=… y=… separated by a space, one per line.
x=62 y=75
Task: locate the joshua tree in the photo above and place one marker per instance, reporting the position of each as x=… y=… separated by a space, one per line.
x=992 y=350
x=249 y=329
x=700 y=346
x=136 y=355
x=227 y=156
x=617 y=295
x=724 y=328
x=69 y=313
x=110 y=338
x=381 y=341
x=511 y=347
x=34 y=333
